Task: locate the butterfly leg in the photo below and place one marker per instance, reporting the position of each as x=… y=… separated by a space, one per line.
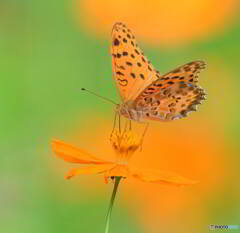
x=125 y=127
x=143 y=135
x=114 y=123
x=119 y=122
x=130 y=125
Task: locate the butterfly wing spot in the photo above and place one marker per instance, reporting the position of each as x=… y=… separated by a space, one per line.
x=158 y=85
x=187 y=68
x=120 y=73
x=148 y=100
x=164 y=79
x=116 y=42
x=136 y=51
x=133 y=75
x=149 y=68
x=151 y=89
x=123 y=82
x=142 y=76
x=166 y=92
x=129 y=63
x=172 y=105
x=155 y=103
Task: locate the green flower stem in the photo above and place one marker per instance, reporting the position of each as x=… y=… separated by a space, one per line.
x=117 y=181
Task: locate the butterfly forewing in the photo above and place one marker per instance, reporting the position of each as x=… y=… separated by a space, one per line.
x=172 y=95
x=131 y=69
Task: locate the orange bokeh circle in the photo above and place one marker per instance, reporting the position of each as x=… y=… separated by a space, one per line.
x=158 y=21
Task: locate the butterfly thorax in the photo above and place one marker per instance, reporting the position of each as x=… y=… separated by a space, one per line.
x=128 y=110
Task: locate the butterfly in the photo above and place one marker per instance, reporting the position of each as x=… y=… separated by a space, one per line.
x=145 y=93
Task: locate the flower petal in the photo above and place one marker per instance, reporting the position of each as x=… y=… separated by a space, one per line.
x=94 y=169
x=73 y=154
x=162 y=177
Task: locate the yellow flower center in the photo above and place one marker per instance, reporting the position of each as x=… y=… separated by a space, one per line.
x=124 y=144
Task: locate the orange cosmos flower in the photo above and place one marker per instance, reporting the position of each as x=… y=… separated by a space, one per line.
x=124 y=144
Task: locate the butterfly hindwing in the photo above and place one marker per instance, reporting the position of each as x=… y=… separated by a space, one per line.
x=172 y=95
x=131 y=69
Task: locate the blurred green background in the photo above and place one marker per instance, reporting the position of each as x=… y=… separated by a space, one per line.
x=48 y=51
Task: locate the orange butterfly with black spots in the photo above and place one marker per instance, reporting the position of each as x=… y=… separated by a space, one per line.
x=145 y=93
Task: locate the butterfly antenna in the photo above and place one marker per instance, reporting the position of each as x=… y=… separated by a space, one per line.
x=102 y=97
